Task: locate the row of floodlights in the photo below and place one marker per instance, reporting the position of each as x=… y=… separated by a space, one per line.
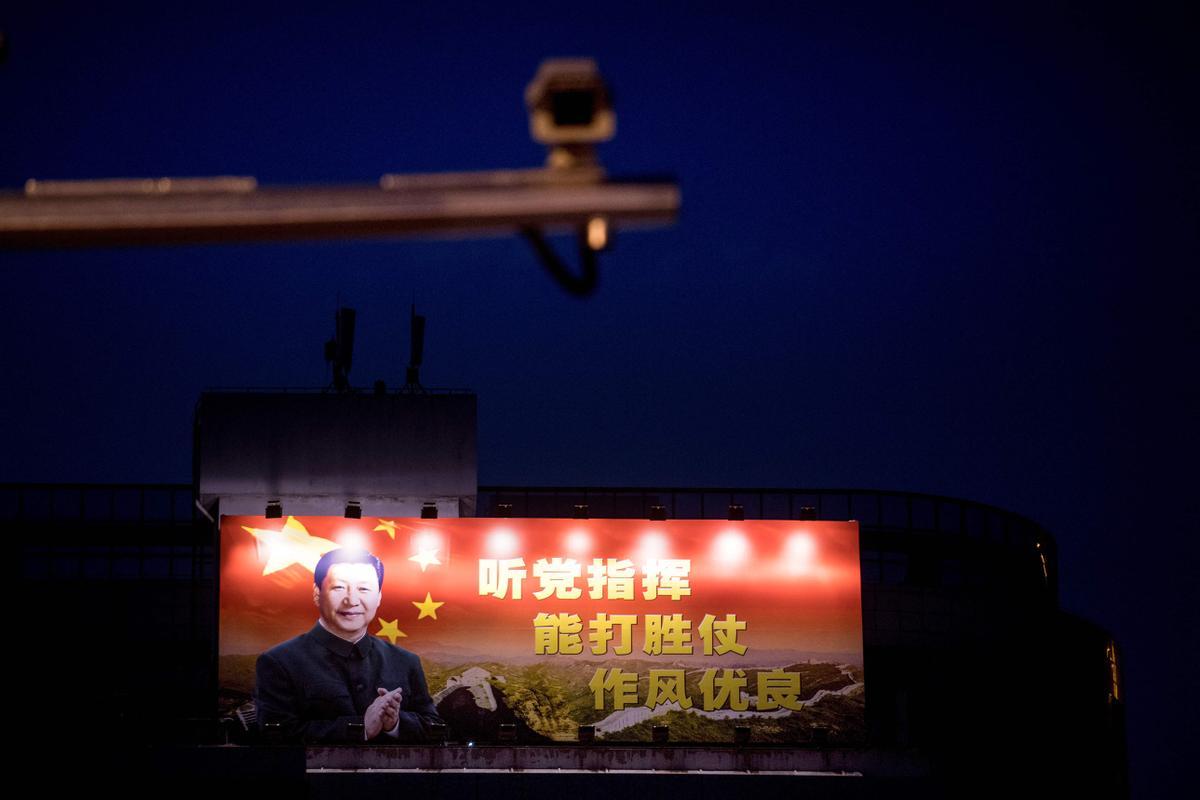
x=353 y=510
x=737 y=512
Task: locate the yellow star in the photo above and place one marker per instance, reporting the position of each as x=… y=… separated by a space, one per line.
x=428 y=608
x=292 y=545
x=388 y=525
x=426 y=556
x=390 y=630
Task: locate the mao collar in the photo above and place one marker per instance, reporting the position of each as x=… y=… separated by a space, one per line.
x=337 y=644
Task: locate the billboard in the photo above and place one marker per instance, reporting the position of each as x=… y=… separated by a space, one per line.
x=553 y=624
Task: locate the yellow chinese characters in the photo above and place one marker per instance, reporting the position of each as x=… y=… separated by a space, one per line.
x=667 y=686
x=497 y=574
x=724 y=691
x=557 y=634
x=610 y=578
x=620 y=684
x=666 y=576
x=557 y=577
x=779 y=689
x=725 y=631
x=668 y=634
x=718 y=689
x=604 y=628
x=607 y=578
x=663 y=634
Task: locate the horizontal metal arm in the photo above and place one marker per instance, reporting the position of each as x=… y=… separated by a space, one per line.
x=174 y=211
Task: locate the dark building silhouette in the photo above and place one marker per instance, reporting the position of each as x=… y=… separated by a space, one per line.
x=974 y=675
x=976 y=680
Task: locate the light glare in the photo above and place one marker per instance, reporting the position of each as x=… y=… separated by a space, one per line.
x=427 y=540
x=501 y=542
x=731 y=548
x=799 y=553
x=578 y=543
x=652 y=545
x=352 y=539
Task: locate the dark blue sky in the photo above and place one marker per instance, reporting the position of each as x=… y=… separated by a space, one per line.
x=934 y=249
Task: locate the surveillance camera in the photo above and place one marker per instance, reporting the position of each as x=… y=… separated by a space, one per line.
x=570 y=109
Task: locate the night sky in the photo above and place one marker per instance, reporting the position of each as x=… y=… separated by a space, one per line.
x=946 y=250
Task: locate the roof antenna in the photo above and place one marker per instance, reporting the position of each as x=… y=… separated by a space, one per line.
x=412 y=376
x=339 y=351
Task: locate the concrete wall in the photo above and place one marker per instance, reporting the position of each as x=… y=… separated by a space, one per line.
x=314 y=452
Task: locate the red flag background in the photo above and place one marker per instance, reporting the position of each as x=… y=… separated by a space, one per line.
x=693 y=623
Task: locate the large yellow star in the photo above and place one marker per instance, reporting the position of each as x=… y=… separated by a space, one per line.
x=292 y=545
x=390 y=630
x=428 y=608
x=388 y=525
x=426 y=556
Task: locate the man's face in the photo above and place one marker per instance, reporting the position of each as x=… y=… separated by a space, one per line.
x=348 y=599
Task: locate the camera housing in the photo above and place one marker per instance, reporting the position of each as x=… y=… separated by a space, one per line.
x=570 y=109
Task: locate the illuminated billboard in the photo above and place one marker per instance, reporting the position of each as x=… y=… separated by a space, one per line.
x=548 y=625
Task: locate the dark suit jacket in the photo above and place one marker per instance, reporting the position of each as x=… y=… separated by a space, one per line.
x=316 y=684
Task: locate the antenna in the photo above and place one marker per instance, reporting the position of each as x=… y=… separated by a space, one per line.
x=416 y=349
x=339 y=351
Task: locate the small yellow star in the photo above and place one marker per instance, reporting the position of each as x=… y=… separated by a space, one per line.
x=429 y=607
x=390 y=630
x=388 y=525
x=426 y=556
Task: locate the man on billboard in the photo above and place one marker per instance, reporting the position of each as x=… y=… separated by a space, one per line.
x=319 y=684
